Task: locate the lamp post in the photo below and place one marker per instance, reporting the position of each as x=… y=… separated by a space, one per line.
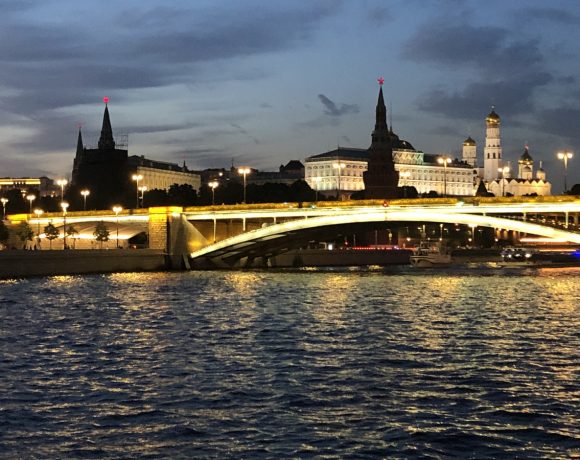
x=444 y=161
x=316 y=186
x=565 y=156
x=244 y=172
x=38 y=213
x=137 y=178
x=64 y=206
x=404 y=175
x=340 y=166
x=117 y=210
x=4 y=201
x=62 y=184
x=213 y=185
x=143 y=189
x=503 y=172
x=30 y=198
x=85 y=193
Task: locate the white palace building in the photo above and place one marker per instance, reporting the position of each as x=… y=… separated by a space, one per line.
x=339 y=172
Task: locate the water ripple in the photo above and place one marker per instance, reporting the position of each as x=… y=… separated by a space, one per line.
x=354 y=364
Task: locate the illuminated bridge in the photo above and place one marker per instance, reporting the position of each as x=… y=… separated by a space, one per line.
x=267 y=232
x=236 y=235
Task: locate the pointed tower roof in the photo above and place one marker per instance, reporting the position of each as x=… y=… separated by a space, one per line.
x=80 y=146
x=481 y=190
x=106 y=141
x=381 y=112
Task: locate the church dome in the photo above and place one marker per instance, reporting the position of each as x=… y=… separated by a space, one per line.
x=526 y=157
x=492 y=117
x=469 y=141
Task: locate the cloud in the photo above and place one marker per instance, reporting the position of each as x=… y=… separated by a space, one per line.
x=558 y=16
x=246 y=133
x=496 y=66
x=136 y=49
x=562 y=121
x=488 y=49
x=515 y=95
x=330 y=108
x=379 y=15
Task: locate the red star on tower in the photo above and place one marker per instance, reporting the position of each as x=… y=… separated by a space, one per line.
x=381 y=80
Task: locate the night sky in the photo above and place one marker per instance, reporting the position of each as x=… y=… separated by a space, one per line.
x=262 y=83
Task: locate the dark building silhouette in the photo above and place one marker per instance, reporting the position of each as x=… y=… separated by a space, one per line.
x=104 y=170
x=381 y=178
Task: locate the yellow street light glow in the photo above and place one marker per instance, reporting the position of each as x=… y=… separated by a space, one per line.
x=244 y=171
x=565 y=156
x=213 y=185
x=444 y=160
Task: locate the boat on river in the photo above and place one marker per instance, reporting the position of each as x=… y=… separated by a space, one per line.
x=431 y=254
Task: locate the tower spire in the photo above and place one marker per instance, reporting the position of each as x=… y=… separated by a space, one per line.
x=381 y=178
x=106 y=141
x=80 y=146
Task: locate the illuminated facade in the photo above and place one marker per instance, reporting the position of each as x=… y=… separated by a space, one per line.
x=525 y=183
x=43 y=185
x=161 y=175
x=497 y=175
x=343 y=169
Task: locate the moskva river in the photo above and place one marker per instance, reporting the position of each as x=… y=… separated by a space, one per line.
x=326 y=364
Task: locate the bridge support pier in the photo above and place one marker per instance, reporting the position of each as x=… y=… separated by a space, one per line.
x=170 y=231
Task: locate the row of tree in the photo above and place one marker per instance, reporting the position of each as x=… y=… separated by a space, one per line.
x=24 y=233
x=227 y=192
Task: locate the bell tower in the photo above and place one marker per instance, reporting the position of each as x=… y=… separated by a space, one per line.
x=492 y=151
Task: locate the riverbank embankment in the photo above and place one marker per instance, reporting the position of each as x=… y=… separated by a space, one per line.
x=21 y=263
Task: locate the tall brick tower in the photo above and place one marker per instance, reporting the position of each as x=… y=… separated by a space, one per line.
x=381 y=179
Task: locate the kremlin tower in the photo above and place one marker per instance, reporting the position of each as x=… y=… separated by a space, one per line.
x=381 y=179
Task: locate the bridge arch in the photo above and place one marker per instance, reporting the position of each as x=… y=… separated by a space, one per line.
x=239 y=246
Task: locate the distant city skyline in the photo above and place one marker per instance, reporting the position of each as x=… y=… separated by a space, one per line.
x=263 y=83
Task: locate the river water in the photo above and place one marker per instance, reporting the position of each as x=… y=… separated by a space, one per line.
x=292 y=364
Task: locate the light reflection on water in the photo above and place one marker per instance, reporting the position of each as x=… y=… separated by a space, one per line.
x=350 y=363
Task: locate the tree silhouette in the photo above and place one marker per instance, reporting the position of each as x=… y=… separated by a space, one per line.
x=24 y=233
x=101 y=233
x=51 y=233
x=4 y=233
x=71 y=231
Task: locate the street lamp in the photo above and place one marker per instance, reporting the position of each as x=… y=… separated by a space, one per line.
x=85 y=193
x=340 y=166
x=61 y=183
x=565 y=156
x=244 y=172
x=316 y=187
x=143 y=189
x=38 y=212
x=117 y=210
x=213 y=185
x=444 y=161
x=503 y=172
x=30 y=198
x=405 y=176
x=64 y=206
x=137 y=178
x=4 y=201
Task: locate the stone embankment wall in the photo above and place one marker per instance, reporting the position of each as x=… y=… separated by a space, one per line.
x=20 y=263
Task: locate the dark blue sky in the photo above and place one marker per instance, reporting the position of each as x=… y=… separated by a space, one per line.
x=264 y=82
